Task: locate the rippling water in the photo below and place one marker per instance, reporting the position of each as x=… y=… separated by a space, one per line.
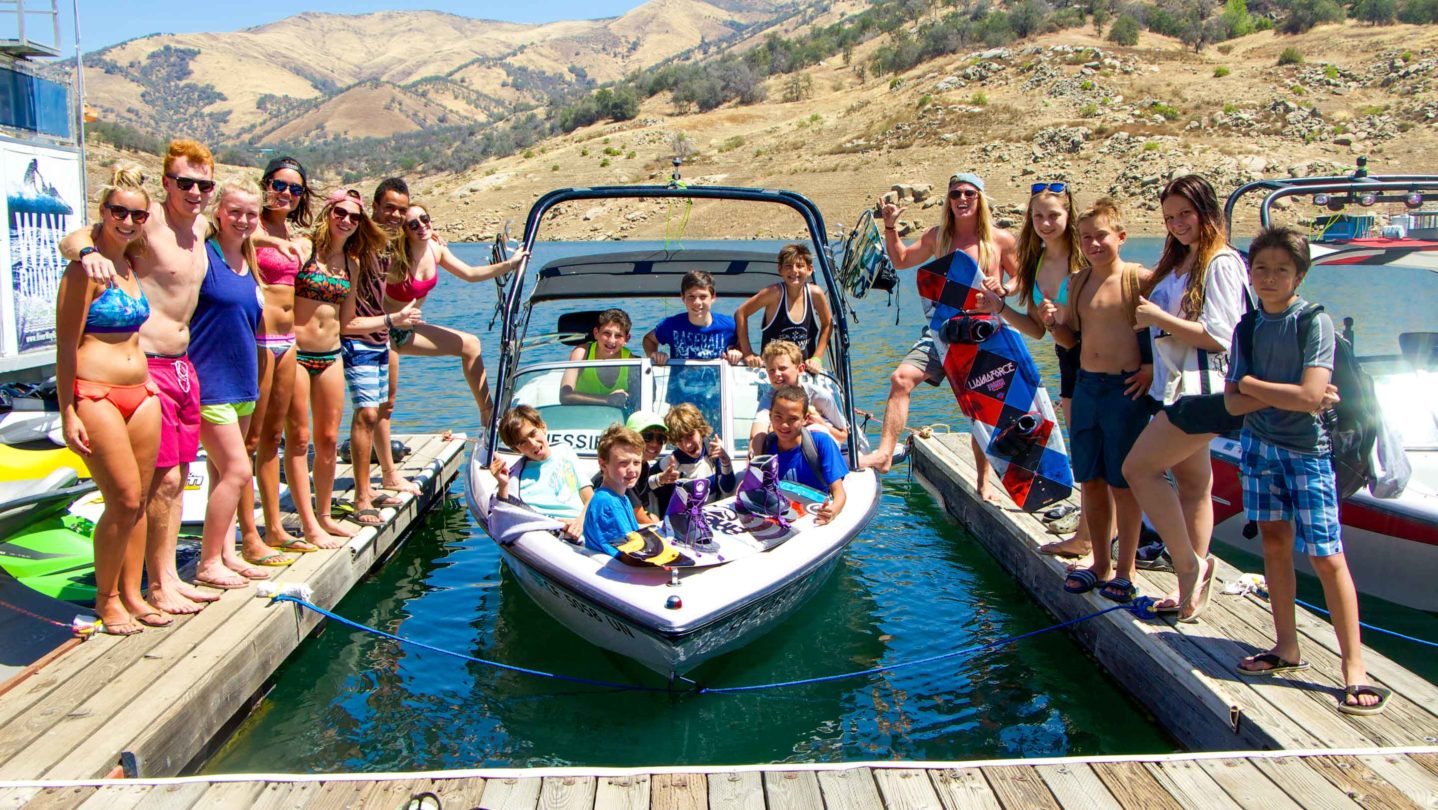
x=915 y=584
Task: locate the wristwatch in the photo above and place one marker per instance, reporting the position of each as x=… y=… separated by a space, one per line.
x=87 y=250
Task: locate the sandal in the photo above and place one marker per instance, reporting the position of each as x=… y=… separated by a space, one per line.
x=385 y=499
x=1081 y=580
x=1205 y=590
x=1057 y=549
x=1355 y=691
x=368 y=517
x=168 y=620
x=101 y=627
x=275 y=560
x=252 y=573
x=298 y=545
x=1118 y=590
x=1275 y=665
x=226 y=585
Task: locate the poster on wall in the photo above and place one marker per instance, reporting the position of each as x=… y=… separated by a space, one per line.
x=42 y=203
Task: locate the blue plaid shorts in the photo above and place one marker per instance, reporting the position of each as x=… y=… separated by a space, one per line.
x=1280 y=484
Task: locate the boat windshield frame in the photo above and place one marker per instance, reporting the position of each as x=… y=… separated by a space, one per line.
x=519 y=298
x=1392 y=188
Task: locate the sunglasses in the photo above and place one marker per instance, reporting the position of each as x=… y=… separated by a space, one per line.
x=1057 y=188
x=280 y=187
x=353 y=216
x=122 y=213
x=187 y=183
x=654 y=436
x=422 y=219
x=963 y=194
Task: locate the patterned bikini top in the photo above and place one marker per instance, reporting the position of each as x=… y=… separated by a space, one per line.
x=116 y=311
x=315 y=284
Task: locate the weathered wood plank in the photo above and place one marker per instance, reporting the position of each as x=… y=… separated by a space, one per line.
x=1412 y=779
x=464 y=792
x=391 y=793
x=12 y=798
x=287 y=796
x=850 y=789
x=792 y=790
x=1133 y=786
x=120 y=797
x=679 y=791
x=906 y=789
x=632 y=792
x=567 y=793
x=1190 y=785
x=1428 y=761
x=65 y=798
x=1304 y=785
x=1076 y=786
x=1247 y=785
x=737 y=790
x=512 y=794
x=230 y=795
x=1020 y=787
x=963 y=788
x=1359 y=781
x=335 y=795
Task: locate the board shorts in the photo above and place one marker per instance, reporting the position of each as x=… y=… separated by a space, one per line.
x=1281 y=484
x=1106 y=423
x=179 y=388
x=226 y=413
x=1068 y=369
x=366 y=372
x=1202 y=413
x=924 y=355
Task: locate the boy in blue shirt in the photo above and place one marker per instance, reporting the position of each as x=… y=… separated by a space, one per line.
x=698 y=333
x=1289 y=487
x=788 y=418
x=609 y=516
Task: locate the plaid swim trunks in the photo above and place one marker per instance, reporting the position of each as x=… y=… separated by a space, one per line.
x=1281 y=484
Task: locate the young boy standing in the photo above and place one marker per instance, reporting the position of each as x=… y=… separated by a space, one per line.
x=610 y=516
x=1110 y=403
x=789 y=415
x=1289 y=487
x=548 y=474
x=784 y=361
x=698 y=333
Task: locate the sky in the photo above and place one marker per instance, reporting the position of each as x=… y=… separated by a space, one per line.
x=106 y=22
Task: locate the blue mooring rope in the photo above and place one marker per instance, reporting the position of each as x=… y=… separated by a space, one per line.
x=1141 y=607
x=1374 y=628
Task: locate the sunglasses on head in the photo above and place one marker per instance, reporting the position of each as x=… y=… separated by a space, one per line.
x=280 y=187
x=422 y=219
x=963 y=194
x=187 y=183
x=122 y=213
x=353 y=216
x=1057 y=188
x=654 y=435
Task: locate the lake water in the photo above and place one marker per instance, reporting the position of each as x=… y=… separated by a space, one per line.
x=915 y=584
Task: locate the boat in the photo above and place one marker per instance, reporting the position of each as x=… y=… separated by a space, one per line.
x=670 y=619
x=1391 y=544
x=42 y=547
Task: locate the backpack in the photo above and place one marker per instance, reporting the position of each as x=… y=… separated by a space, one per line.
x=807 y=448
x=1354 y=423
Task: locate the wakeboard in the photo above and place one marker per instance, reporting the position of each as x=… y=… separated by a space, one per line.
x=997 y=386
x=866 y=264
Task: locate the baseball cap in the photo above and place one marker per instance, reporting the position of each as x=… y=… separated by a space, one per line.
x=641 y=420
x=967 y=177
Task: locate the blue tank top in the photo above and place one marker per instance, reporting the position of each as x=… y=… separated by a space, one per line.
x=222 y=333
x=116 y=311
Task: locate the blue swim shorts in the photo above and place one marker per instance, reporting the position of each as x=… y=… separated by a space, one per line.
x=366 y=372
x=1106 y=423
x=1280 y=484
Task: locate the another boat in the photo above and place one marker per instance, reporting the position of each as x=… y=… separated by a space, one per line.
x=671 y=620
x=1391 y=544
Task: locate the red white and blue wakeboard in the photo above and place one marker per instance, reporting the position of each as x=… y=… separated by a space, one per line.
x=997 y=385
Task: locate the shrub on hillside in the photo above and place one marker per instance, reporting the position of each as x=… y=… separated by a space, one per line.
x=1301 y=15
x=1376 y=12
x=1220 y=71
x=1235 y=20
x=1124 y=31
x=1418 y=12
x=1290 y=56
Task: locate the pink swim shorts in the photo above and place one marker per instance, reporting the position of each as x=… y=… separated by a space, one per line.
x=179 y=409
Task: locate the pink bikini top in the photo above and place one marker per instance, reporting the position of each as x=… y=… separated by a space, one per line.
x=276 y=267
x=412 y=289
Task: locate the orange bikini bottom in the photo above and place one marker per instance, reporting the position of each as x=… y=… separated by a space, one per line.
x=126 y=398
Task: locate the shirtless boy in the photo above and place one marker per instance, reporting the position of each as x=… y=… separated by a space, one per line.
x=171 y=269
x=1110 y=404
x=966 y=224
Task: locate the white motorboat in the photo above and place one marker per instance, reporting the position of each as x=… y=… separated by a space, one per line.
x=1391 y=544
x=669 y=619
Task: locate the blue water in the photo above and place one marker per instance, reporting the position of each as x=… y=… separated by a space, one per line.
x=915 y=584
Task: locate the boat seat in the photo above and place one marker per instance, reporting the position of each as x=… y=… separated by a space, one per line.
x=1420 y=349
x=577 y=328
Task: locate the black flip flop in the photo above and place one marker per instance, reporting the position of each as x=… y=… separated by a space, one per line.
x=358 y=516
x=1085 y=578
x=1276 y=665
x=1364 y=689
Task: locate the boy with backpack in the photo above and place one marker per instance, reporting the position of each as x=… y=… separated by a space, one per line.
x=1280 y=378
x=820 y=465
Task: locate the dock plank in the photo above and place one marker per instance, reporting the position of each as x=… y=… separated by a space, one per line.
x=567 y=793
x=60 y=798
x=1247 y=785
x=963 y=788
x=334 y=795
x=391 y=793
x=792 y=790
x=736 y=790
x=1190 y=785
x=285 y=795
x=1077 y=786
x=679 y=791
x=1412 y=779
x=15 y=798
x=632 y=793
x=1359 y=781
x=849 y=789
x=463 y=793
x=906 y=789
x=228 y=795
x=1306 y=786
x=512 y=793
x=1018 y=787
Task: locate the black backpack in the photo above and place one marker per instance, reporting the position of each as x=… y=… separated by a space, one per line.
x=1354 y=423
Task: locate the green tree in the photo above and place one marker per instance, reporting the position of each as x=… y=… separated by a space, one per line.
x=1376 y=12
x=1304 y=14
x=1418 y=12
x=1235 y=20
x=1124 y=30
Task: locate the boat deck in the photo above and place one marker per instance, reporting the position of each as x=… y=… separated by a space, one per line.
x=151 y=704
x=1386 y=778
x=1184 y=673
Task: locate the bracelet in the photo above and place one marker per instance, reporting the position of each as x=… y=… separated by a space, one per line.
x=891 y=228
x=388 y=324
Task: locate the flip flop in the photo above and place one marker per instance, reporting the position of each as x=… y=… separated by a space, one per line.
x=384 y=499
x=1118 y=590
x=252 y=573
x=1364 y=689
x=1055 y=549
x=1205 y=592
x=101 y=627
x=373 y=515
x=341 y=509
x=1081 y=580
x=299 y=545
x=224 y=586
x=276 y=560
x=408 y=486
x=1276 y=665
x=168 y=620
x=1057 y=512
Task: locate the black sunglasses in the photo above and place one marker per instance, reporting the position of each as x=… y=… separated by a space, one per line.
x=187 y=183
x=353 y=216
x=654 y=436
x=1057 y=188
x=280 y=186
x=122 y=213
x=963 y=194
x=422 y=219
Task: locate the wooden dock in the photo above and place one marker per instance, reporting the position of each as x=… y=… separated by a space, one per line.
x=1375 y=778
x=1184 y=673
x=151 y=704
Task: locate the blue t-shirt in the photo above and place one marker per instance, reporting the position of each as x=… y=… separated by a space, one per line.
x=1278 y=358
x=689 y=342
x=792 y=466
x=608 y=518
